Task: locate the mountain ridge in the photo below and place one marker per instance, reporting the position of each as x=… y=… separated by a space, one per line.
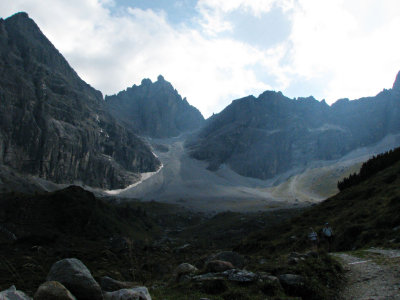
x=265 y=136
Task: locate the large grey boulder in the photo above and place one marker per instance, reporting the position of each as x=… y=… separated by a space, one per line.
x=13 y=294
x=76 y=277
x=53 y=290
x=137 y=293
x=184 y=269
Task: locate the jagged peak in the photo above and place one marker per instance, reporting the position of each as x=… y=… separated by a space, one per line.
x=21 y=14
x=146 y=81
x=160 y=78
x=21 y=19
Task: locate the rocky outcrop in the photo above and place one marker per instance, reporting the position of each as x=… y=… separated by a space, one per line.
x=267 y=136
x=234 y=275
x=69 y=276
x=74 y=275
x=53 y=124
x=154 y=109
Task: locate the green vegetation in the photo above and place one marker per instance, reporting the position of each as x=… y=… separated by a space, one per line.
x=371 y=167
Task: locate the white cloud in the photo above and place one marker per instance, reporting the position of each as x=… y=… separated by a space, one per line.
x=336 y=39
x=214 y=12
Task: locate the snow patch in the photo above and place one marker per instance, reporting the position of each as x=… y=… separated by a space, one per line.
x=143 y=177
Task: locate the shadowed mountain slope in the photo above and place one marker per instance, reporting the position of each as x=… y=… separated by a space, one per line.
x=53 y=124
x=269 y=135
x=154 y=109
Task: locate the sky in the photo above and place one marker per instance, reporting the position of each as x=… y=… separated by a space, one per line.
x=215 y=51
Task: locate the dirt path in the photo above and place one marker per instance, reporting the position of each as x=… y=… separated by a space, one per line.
x=372 y=274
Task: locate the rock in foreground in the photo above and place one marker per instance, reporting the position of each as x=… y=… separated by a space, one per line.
x=76 y=277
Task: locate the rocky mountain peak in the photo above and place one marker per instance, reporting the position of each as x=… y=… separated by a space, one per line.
x=21 y=17
x=154 y=109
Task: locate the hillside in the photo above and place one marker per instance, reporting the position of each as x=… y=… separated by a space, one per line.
x=153 y=239
x=54 y=125
x=270 y=135
x=362 y=215
x=154 y=109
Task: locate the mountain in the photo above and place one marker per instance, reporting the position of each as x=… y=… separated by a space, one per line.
x=53 y=124
x=272 y=134
x=154 y=109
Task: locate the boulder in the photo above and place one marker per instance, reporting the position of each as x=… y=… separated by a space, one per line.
x=291 y=280
x=218 y=266
x=137 y=293
x=184 y=269
x=13 y=294
x=74 y=275
x=110 y=285
x=234 y=258
x=53 y=290
x=240 y=275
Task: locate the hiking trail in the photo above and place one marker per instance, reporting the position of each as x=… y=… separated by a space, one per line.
x=371 y=274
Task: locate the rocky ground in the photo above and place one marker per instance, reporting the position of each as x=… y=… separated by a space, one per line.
x=371 y=274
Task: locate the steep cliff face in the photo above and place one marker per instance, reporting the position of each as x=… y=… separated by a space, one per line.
x=54 y=125
x=154 y=109
x=396 y=84
x=269 y=135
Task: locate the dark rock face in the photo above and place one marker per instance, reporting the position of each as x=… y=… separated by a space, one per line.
x=154 y=109
x=396 y=84
x=269 y=135
x=54 y=125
